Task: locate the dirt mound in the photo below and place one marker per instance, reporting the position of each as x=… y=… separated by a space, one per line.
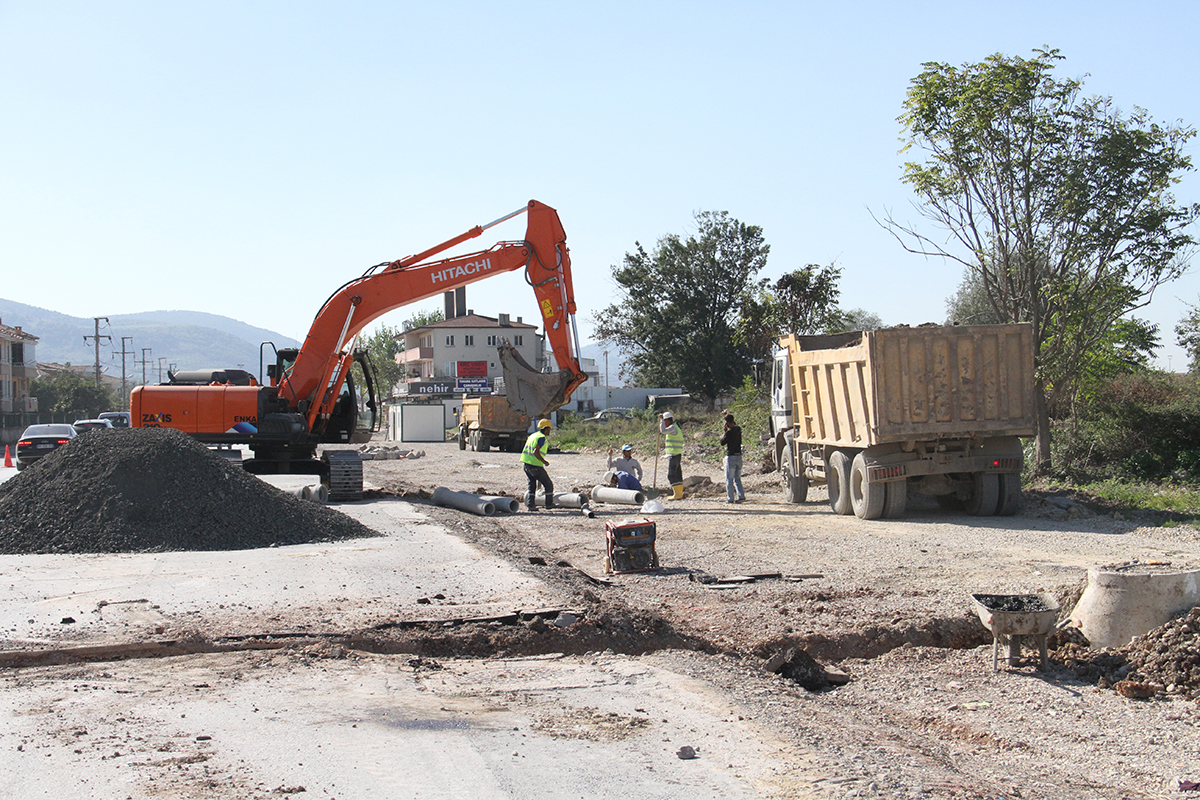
x=153 y=490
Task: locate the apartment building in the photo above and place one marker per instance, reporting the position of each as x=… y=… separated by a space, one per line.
x=18 y=368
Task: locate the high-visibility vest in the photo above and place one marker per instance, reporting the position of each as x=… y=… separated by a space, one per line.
x=674 y=441
x=536 y=439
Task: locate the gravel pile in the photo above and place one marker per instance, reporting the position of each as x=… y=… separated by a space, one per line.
x=153 y=490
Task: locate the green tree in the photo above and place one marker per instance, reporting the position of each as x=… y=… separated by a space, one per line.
x=382 y=346
x=419 y=319
x=801 y=301
x=68 y=392
x=1187 y=334
x=1058 y=203
x=679 y=306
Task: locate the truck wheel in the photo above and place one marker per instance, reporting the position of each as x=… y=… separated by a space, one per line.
x=795 y=486
x=896 y=499
x=485 y=444
x=475 y=441
x=866 y=496
x=985 y=494
x=462 y=439
x=1010 y=494
x=837 y=480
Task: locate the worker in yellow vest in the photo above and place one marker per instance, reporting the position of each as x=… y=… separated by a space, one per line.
x=533 y=460
x=673 y=448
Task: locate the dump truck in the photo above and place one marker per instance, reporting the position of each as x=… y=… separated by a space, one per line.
x=490 y=421
x=875 y=415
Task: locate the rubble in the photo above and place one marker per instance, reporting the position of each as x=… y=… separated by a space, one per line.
x=153 y=490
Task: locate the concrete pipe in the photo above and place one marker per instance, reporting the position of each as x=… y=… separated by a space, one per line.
x=504 y=505
x=463 y=501
x=303 y=493
x=320 y=494
x=607 y=494
x=565 y=499
x=1120 y=604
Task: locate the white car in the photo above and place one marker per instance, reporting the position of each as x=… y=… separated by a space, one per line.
x=84 y=425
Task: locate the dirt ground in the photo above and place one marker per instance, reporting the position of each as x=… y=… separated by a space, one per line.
x=753 y=603
x=886 y=602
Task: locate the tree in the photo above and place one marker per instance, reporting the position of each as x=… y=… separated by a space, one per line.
x=679 y=306
x=68 y=392
x=801 y=301
x=382 y=347
x=1059 y=204
x=1187 y=333
x=420 y=319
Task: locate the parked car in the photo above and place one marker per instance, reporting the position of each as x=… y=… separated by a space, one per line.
x=119 y=419
x=81 y=425
x=41 y=440
x=609 y=414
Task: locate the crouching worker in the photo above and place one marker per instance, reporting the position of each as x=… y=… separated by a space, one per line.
x=619 y=479
x=534 y=461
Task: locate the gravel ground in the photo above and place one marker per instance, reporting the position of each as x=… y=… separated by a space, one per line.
x=888 y=603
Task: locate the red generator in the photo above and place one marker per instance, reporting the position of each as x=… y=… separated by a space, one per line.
x=630 y=546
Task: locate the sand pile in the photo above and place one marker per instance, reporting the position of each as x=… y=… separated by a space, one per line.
x=153 y=490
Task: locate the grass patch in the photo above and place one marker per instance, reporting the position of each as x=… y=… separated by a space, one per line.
x=1146 y=496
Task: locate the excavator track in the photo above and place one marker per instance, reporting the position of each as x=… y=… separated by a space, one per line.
x=345 y=475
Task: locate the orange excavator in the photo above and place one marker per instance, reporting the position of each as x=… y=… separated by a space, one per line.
x=311 y=398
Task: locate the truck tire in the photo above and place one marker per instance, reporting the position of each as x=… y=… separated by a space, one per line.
x=896 y=499
x=795 y=486
x=462 y=439
x=485 y=443
x=837 y=480
x=985 y=494
x=474 y=441
x=1010 y=494
x=866 y=496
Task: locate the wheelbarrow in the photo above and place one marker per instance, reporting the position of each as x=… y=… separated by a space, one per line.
x=1015 y=618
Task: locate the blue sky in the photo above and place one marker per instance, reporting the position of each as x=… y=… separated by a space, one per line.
x=248 y=158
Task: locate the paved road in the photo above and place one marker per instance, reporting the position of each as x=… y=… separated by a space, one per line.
x=316 y=721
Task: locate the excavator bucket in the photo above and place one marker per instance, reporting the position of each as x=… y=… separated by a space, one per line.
x=533 y=393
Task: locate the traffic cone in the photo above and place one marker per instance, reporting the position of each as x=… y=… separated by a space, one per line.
x=7 y=457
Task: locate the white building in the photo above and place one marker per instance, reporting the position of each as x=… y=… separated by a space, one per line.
x=459 y=355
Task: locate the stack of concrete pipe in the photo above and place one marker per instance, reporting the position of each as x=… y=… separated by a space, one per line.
x=464 y=501
x=317 y=493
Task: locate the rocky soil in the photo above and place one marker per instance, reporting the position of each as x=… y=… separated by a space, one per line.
x=886 y=605
x=153 y=490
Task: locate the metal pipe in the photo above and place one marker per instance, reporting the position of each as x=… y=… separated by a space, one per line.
x=607 y=494
x=505 y=505
x=463 y=501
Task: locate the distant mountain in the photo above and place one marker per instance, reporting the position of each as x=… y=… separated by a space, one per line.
x=616 y=361
x=185 y=339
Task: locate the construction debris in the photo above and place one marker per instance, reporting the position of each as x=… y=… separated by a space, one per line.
x=153 y=490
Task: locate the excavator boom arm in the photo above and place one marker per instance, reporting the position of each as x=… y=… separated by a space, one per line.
x=313 y=382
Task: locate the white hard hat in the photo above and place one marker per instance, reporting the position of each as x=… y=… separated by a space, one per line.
x=668 y=415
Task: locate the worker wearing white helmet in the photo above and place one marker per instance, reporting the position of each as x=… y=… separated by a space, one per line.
x=673 y=448
x=533 y=460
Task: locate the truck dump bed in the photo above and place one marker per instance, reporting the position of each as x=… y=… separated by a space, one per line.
x=912 y=384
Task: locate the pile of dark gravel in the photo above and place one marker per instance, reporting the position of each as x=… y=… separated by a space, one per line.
x=153 y=490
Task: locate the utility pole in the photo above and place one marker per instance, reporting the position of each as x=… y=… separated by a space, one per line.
x=607 y=391
x=96 y=340
x=143 y=362
x=160 y=360
x=124 y=384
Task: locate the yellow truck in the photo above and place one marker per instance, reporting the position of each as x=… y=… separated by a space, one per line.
x=490 y=421
x=932 y=409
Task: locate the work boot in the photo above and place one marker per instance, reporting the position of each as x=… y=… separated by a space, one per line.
x=531 y=508
x=677 y=489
